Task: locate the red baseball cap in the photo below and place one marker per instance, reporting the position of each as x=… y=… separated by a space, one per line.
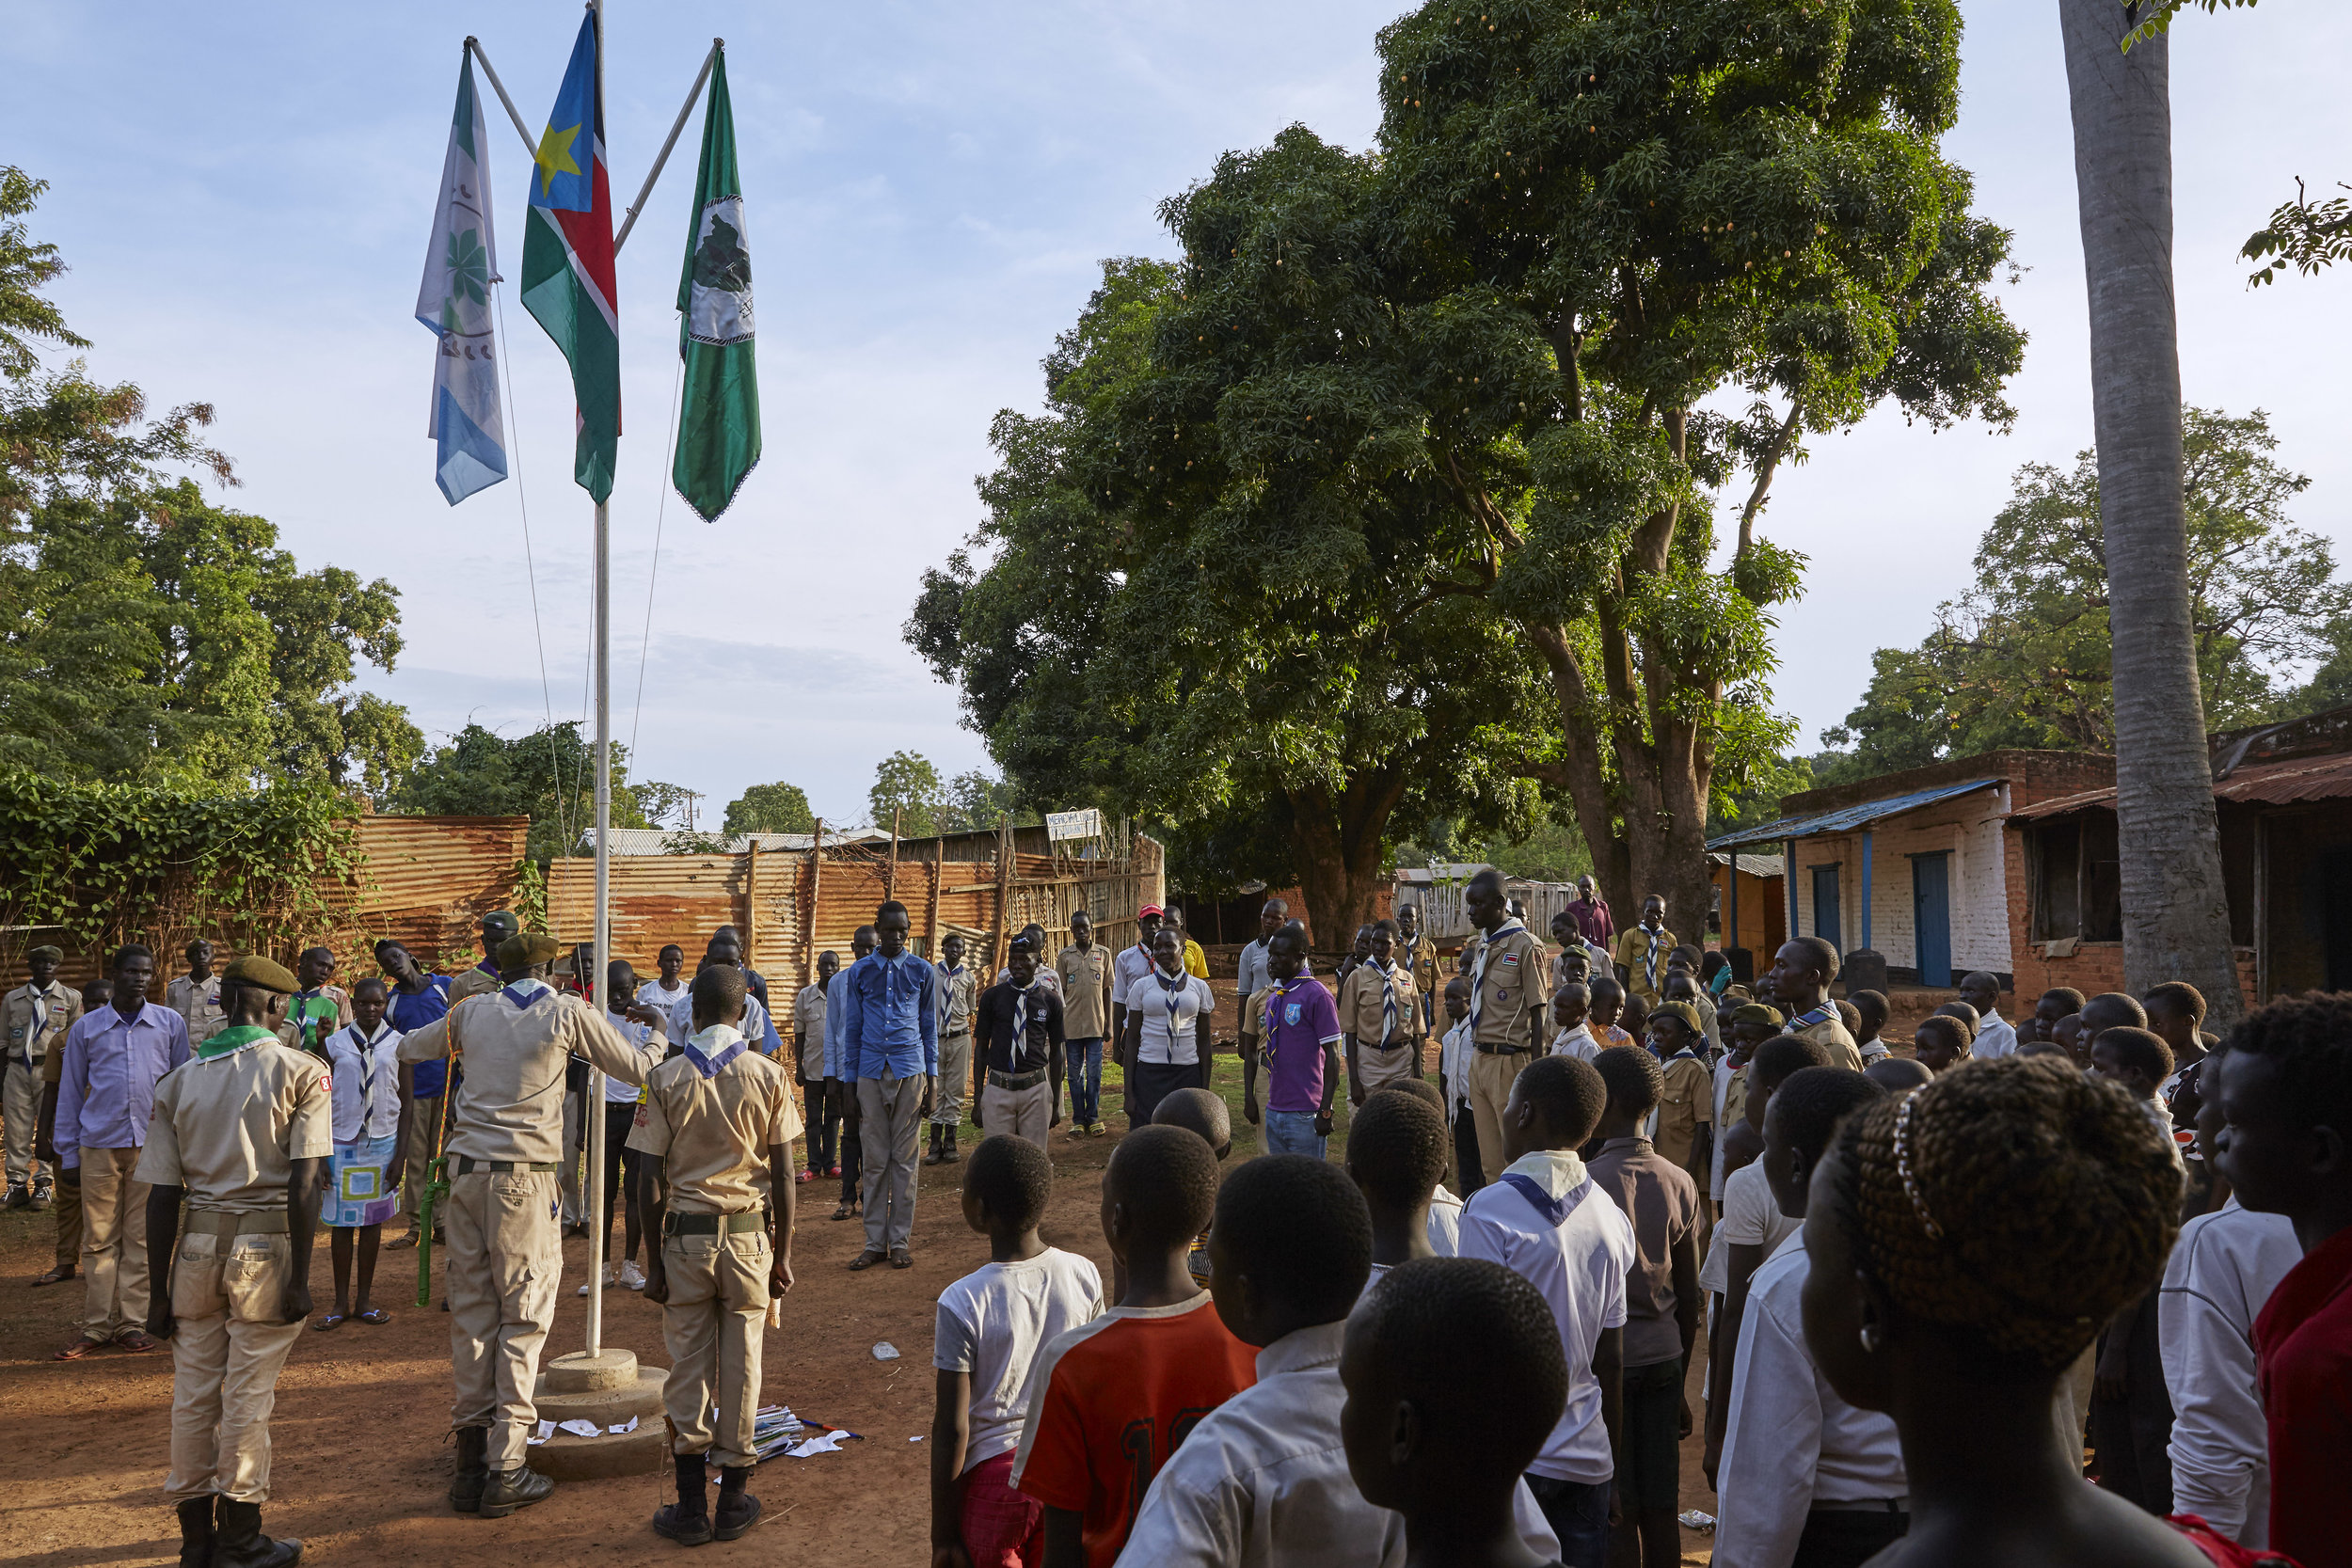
x=1149 y=909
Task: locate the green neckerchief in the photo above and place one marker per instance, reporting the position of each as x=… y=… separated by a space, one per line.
x=231 y=1040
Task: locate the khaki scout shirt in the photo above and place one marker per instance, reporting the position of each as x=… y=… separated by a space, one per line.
x=35 y=1020
x=200 y=1003
x=715 y=1132
x=229 y=1127
x=511 y=1059
x=1830 y=1032
x=476 y=981
x=1509 y=988
x=958 y=989
x=1635 y=951
x=1252 y=1029
x=1086 y=990
x=1420 y=958
x=1362 y=1005
x=1687 y=1104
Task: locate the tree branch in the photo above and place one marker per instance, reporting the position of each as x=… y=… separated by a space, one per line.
x=1765 y=466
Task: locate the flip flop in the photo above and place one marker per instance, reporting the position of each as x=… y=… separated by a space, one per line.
x=55 y=1277
x=332 y=1320
x=136 y=1340
x=375 y=1317
x=77 y=1350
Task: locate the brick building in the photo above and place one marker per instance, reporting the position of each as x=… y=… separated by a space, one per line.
x=1915 y=867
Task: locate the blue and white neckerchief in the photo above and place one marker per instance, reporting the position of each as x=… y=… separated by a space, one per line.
x=1020 y=1024
x=525 y=991
x=1478 y=969
x=1807 y=1018
x=1275 y=992
x=41 y=1012
x=714 y=1048
x=1173 y=988
x=1649 y=964
x=368 y=1068
x=1387 y=999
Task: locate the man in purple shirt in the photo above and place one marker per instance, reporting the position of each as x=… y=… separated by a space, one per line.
x=1591 y=913
x=114 y=1056
x=1302 y=1046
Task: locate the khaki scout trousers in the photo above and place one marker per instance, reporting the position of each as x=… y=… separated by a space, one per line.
x=712 y=1323
x=226 y=1348
x=1490 y=1080
x=20 y=1109
x=113 y=1244
x=505 y=1261
x=1377 y=1067
x=887 y=1120
x=1018 y=1113
x=955 y=1078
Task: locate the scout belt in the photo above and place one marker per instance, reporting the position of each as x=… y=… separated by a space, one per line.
x=714 y=1224
x=1015 y=1080
x=501 y=1167
x=218 y=1222
x=1485 y=1050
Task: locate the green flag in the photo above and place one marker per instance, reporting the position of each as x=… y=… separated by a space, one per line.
x=718 y=430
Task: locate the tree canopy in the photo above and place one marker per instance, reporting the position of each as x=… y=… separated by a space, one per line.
x=2024 y=657
x=770 y=808
x=147 y=634
x=550 y=774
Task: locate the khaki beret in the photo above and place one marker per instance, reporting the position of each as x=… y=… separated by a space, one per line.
x=55 y=955
x=263 y=974
x=528 y=950
x=1755 y=1012
x=1682 y=1011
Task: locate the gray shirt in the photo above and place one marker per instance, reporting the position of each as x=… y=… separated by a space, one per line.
x=1253 y=972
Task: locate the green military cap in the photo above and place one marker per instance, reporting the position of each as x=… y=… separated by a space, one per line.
x=1755 y=1012
x=263 y=974
x=55 y=955
x=1682 y=1011
x=528 y=950
x=502 y=921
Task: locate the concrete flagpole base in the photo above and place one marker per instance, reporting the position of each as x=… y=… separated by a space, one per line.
x=606 y=1389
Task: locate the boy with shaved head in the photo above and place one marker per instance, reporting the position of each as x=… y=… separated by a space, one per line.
x=1799 y=981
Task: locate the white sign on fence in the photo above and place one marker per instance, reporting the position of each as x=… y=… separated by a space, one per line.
x=1073 y=824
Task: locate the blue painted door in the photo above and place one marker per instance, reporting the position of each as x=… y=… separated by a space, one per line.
x=1826 y=923
x=1932 y=916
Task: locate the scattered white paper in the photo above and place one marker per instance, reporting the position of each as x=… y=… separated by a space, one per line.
x=533 y=1441
x=1694 y=1519
x=914 y=1439
x=829 y=1443
x=583 y=1429
x=885 y=1352
x=628 y=1426
x=546 y=1430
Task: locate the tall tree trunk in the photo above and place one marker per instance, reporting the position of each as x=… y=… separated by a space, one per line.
x=1339 y=855
x=2176 y=916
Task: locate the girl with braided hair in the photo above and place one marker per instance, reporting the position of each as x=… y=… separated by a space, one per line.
x=1968 y=1240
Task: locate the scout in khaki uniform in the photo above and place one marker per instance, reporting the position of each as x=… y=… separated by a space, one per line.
x=33 y=1021
x=1380 y=1010
x=958 y=990
x=1507 y=1009
x=196 y=995
x=716 y=1132
x=1642 y=952
x=1085 y=969
x=242 y=1131
x=1419 y=954
x=484 y=979
x=505 y=1256
x=1800 y=978
x=1684 y=1133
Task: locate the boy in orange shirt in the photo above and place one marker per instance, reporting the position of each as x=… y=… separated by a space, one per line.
x=1112 y=1398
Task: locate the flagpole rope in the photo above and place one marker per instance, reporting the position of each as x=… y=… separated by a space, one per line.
x=645 y=643
x=530 y=569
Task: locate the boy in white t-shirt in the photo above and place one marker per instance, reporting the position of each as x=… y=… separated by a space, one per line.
x=666 y=992
x=992 y=1325
x=1571 y=1007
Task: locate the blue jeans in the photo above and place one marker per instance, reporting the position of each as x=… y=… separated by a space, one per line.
x=1086 y=1080
x=1293 y=1132
x=1578 y=1513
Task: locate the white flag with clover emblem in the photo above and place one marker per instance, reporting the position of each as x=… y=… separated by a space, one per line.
x=453 y=301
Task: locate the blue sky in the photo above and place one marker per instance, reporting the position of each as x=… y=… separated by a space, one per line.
x=244 y=195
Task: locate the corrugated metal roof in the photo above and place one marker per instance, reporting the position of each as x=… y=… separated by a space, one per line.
x=1750 y=865
x=2265 y=784
x=1846 y=818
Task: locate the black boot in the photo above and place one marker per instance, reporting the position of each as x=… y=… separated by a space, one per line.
x=738 y=1510
x=473 y=1470
x=932 y=1158
x=686 y=1521
x=196 y=1531
x=240 y=1543
x=947 y=1155
x=505 y=1491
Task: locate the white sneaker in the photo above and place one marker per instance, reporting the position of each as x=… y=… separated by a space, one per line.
x=608 y=1280
x=632 y=1276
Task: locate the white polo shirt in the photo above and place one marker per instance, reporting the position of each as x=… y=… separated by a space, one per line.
x=2221 y=1272
x=1995 y=1036
x=1792 y=1441
x=1263 y=1481
x=1170 y=1040
x=1575 y=1251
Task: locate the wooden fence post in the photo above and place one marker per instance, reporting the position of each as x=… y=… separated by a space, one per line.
x=1000 y=944
x=815 y=871
x=890 y=878
x=931 y=924
x=751 y=907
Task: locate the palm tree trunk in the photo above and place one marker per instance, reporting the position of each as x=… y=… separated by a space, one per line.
x=2176 y=917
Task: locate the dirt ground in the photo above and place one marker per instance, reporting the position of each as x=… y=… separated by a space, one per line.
x=361 y=1459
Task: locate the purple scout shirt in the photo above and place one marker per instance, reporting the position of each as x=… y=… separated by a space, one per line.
x=1301 y=1017
x=106 y=1085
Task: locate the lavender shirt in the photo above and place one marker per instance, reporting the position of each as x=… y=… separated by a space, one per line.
x=106 y=1086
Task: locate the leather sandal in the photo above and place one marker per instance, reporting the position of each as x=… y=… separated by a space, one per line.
x=864 y=1260
x=58 y=1275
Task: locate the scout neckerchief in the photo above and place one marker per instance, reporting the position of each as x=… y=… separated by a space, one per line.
x=1275 y=992
x=1019 y=1023
x=526 y=990
x=1810 y=1017
x=40 y=1015
x=1173 y=989
x=233 y=1039
x=714 y=1048
x=1388 y=1000
x=1478 y=969
x=367 y=1065
x=1649 y=964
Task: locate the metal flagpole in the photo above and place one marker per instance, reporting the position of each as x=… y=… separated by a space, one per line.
x=599 y=1223
x=629 y=220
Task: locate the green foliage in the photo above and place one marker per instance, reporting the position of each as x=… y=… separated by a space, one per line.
x=2155 y=16
x=548 y=775
x=2303 y=234
x=770 y=808
x=907 y=788
x=25 y=317
x=1757 y=800
x=2022 y=657
x=112 y=862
